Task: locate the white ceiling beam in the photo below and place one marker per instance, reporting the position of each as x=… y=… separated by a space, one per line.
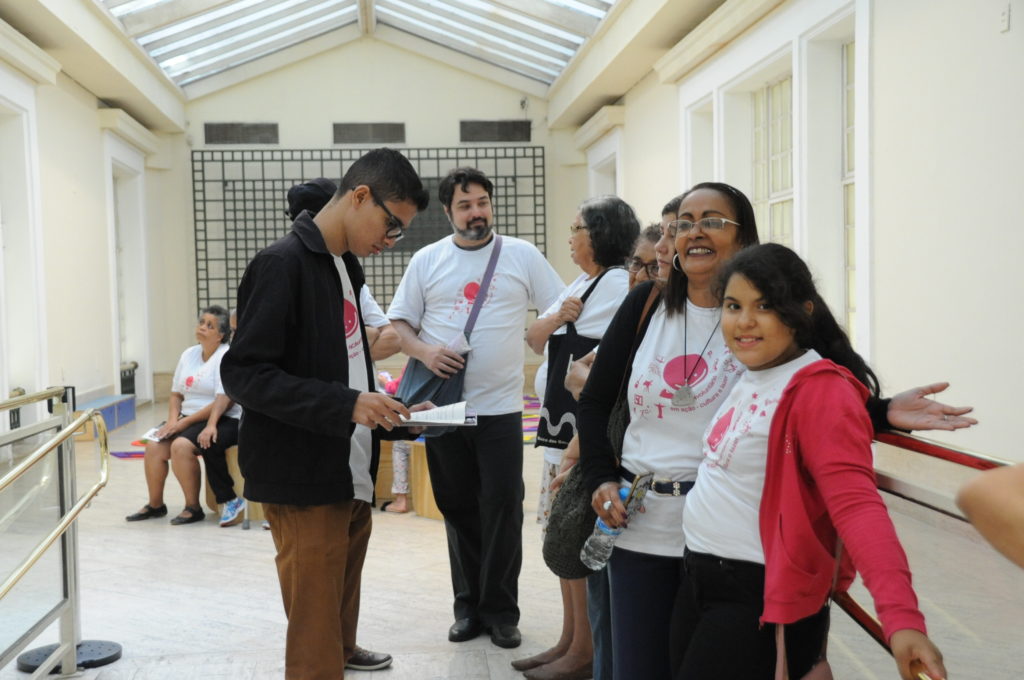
x=568 y=20
x=367 y=17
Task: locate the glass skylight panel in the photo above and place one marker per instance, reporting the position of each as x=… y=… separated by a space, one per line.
x=248 y=19
x=447 y=36
x=198 y=20
x=470 y=16
x=469 y=29
x=249 y=47
x=580 y=7
x=135 y=6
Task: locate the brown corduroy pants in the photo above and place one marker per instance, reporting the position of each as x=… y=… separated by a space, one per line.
x=320 y=553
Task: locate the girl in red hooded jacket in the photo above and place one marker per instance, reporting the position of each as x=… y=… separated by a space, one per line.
x=787 y=472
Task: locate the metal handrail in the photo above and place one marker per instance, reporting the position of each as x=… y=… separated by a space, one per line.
x=73 y=513
x=17 y=402
x=933 y=449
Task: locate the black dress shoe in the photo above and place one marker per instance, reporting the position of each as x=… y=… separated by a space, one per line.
x=196 y=514
x=464 y=629
x=506 y=635
x=147 y=512
x=365 y=660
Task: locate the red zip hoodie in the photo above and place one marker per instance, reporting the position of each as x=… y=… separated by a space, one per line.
x=820 y=480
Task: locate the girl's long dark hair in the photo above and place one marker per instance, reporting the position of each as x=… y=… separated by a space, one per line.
x=746 y=235
x=786 y=285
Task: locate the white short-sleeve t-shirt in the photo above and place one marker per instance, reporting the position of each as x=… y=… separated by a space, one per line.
x=361 y=448
x=722 y=514
x=197 y=380
x=666 y=439
x=373 y=315
x=437 y=293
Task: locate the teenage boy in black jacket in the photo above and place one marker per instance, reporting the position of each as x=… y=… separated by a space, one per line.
x=300 y=369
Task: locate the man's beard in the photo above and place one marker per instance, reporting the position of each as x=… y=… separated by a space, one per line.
x=477 y=230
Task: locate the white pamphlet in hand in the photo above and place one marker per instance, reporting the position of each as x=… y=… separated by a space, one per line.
x=459 y=344
x=151 y=434
x=452 y=415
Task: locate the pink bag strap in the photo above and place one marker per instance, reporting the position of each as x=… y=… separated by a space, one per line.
x=820 y=671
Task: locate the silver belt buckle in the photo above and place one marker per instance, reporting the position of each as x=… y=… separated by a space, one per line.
x=658 y=482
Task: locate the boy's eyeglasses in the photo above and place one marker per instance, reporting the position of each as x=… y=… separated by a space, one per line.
x=396 y=230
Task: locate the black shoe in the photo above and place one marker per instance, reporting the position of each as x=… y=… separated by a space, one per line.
x=506 y=635
x=365 y=660
x=147 y=512
x=196 y=514
x=464 y=629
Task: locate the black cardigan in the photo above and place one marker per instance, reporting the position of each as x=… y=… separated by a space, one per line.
x=615 y=360
x=288 y=368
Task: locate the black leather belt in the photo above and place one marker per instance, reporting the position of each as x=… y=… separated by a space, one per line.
x=663 y=487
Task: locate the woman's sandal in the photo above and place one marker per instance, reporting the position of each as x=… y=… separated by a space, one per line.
x=196 y=514
x=147 y=512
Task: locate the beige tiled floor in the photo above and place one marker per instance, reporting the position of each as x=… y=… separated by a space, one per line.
x=199 y=601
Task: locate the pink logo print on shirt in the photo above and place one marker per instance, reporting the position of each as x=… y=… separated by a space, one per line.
x=351 y=319
x=189 y=380
x=717 y=433
x=470 y=291
x=676 y=371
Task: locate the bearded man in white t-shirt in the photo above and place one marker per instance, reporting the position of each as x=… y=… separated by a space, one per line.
x=477 y=472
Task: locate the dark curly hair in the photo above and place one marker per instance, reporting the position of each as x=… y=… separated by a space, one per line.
x=613 y=229
x=786 y=285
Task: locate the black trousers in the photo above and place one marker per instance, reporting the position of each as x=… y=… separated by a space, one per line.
x=215 y=457
x=477 y=477
x=716 y=625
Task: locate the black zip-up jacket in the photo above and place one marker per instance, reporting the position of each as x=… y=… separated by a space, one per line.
x=288 y=368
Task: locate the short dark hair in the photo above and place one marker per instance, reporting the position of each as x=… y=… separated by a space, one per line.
x=311 y=196
x=223 y=321
x=462 y=177
x=786 y=285
x=390 y=175
x=672 y=207
x=746 y=235
x=613 y=228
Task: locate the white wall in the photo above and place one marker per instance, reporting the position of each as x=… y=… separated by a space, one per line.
x=946 y=159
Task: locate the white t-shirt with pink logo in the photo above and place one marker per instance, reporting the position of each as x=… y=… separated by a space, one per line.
x=198 y=381
x=666 y=439
x=723 y=509
x=437 y=293
x=362 y=439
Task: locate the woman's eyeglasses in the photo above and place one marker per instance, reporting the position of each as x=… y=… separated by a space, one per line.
x=396 y=230
x=676 y=227
x=635 y=265
x=573 y=228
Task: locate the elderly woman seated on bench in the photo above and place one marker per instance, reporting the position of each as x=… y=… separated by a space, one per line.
x=201 y=420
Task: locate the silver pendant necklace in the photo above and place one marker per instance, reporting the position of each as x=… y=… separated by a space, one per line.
x=684 y=396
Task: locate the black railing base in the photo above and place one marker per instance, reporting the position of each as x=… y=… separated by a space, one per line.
x=90 y=654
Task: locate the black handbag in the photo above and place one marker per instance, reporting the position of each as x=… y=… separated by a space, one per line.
x=570 y=523
x=557 y=424
x=419 y=383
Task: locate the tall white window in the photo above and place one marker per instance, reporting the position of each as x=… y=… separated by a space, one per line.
x=773 y=160
x=849 y=189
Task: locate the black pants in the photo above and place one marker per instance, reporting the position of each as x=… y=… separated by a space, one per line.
x=214 y=457
x=477 y=476
x=716 y=624
x=643 y=595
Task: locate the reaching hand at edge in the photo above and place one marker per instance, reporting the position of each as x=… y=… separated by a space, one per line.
x=913 y=410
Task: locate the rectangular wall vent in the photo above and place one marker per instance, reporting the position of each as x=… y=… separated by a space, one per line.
x=494 y=130
x=369 y=133
x=240 y=133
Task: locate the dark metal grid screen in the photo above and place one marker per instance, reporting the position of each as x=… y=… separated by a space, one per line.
x=239 y=203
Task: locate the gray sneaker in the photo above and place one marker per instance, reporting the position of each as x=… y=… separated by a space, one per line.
x=365 y=660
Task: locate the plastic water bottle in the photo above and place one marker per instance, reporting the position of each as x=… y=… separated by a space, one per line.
x=598 y=548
